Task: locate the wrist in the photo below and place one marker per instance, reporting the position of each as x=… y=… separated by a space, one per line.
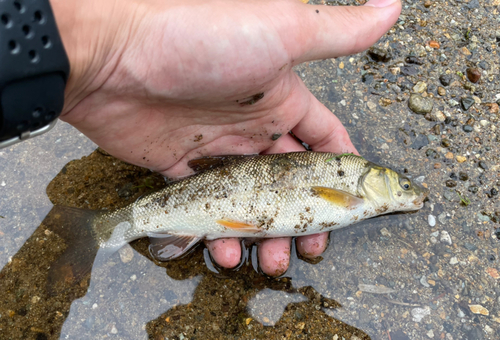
x=90 y=35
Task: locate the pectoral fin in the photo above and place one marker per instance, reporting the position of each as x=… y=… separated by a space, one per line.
x=239 y=226
x=166 y=247
x=338 y=197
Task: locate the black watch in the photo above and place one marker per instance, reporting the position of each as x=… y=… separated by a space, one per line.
x=34 y=69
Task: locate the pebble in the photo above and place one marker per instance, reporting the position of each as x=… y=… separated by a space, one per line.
x=420 y=87
x=483 y=165
x=372 y=106
x=461 y=159
x=452 y=102
x=445 y=237
x=126 y=254
x=454 y=260
x=419 y=313
x=430 y=334
x=380 y=54
x=423 y=281
x=431 y=220
x=419 y=104
x=438 y=116
x=467 y=102
x=470 y=246
x=463 y=176
x=473 y=74
x=442 y=218
x=114 y=330
x=385 y=232
x=441 y=91
x=448 y=195
x=478 y=309
x=467 y=128
x=451 y=183
x=445 y=79
x=484 y=122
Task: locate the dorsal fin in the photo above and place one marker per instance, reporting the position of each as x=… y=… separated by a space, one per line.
x=211 y=162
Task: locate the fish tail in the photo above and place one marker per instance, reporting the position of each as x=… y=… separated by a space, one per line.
x=76 y=227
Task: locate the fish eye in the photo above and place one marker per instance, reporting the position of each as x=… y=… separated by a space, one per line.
x=405 y=183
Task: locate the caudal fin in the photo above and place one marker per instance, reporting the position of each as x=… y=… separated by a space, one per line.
x=74 y=226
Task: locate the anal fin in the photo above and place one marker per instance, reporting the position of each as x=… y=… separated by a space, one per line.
x=239 y=226
x=338 y=197
x=166 y=247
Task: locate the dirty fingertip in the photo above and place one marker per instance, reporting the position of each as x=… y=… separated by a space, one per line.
x=274 y=255
x=225 y=251
x=311 y=246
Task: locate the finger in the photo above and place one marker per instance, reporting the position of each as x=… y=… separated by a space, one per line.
x=311 y=246
x=225 y=251
x=285 y=143
x=322 y=130
x=327 y=32
x=274 y=255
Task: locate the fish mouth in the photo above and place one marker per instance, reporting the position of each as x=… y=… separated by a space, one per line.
x=419 y=201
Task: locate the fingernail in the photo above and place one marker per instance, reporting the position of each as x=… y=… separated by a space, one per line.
x=380 y=3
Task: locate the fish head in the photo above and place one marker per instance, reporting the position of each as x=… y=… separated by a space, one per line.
x=390 y=191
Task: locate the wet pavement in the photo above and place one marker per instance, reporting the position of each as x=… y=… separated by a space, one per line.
x=432 y=274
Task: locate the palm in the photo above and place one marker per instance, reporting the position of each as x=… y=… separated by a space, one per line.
x=215 y=77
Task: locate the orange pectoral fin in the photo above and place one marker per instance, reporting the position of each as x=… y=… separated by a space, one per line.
x=338 y=197
x=240 y=226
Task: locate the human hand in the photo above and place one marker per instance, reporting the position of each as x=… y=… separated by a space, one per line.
x=157 y=83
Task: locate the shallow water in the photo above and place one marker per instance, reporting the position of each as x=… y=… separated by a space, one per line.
x=427 y=277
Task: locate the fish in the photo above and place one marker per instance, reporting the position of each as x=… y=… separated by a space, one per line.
x=255 y=196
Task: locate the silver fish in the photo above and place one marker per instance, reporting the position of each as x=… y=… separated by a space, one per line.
x=259 y=196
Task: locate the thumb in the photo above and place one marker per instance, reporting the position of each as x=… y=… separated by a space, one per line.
x=327 y=32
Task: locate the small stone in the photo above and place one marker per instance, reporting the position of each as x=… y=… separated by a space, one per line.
x=448 y=195
x=419 y=313
x=431 y=220
x=473 y=189
x=445 y=237
x=434 y=44
x=420 y=142
x=420 y=87
x=430 y=334
x=427 y=3
x=467 y=102
x=473 y=74
x=385 y=232
x=454 y=260
x=414 y=60
x=463 y=176
x=493 y=192
x=467 y=128
x=372 y=106
x=133 y=277
x=451 y=183
x=460 y=159
x=484 y=122
x=445 y=79
x=380 y=54
x=126 y=254
x=438 y=116
x=423 y=281
x=442 y=218
x=483 y=165
x=441 y=91
x=419 y=104
x=493 y=272
x=449 y=155
x=478 y=309
x=114 y=330
x=470 y=246
x=452 y=102
x=493 y=107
